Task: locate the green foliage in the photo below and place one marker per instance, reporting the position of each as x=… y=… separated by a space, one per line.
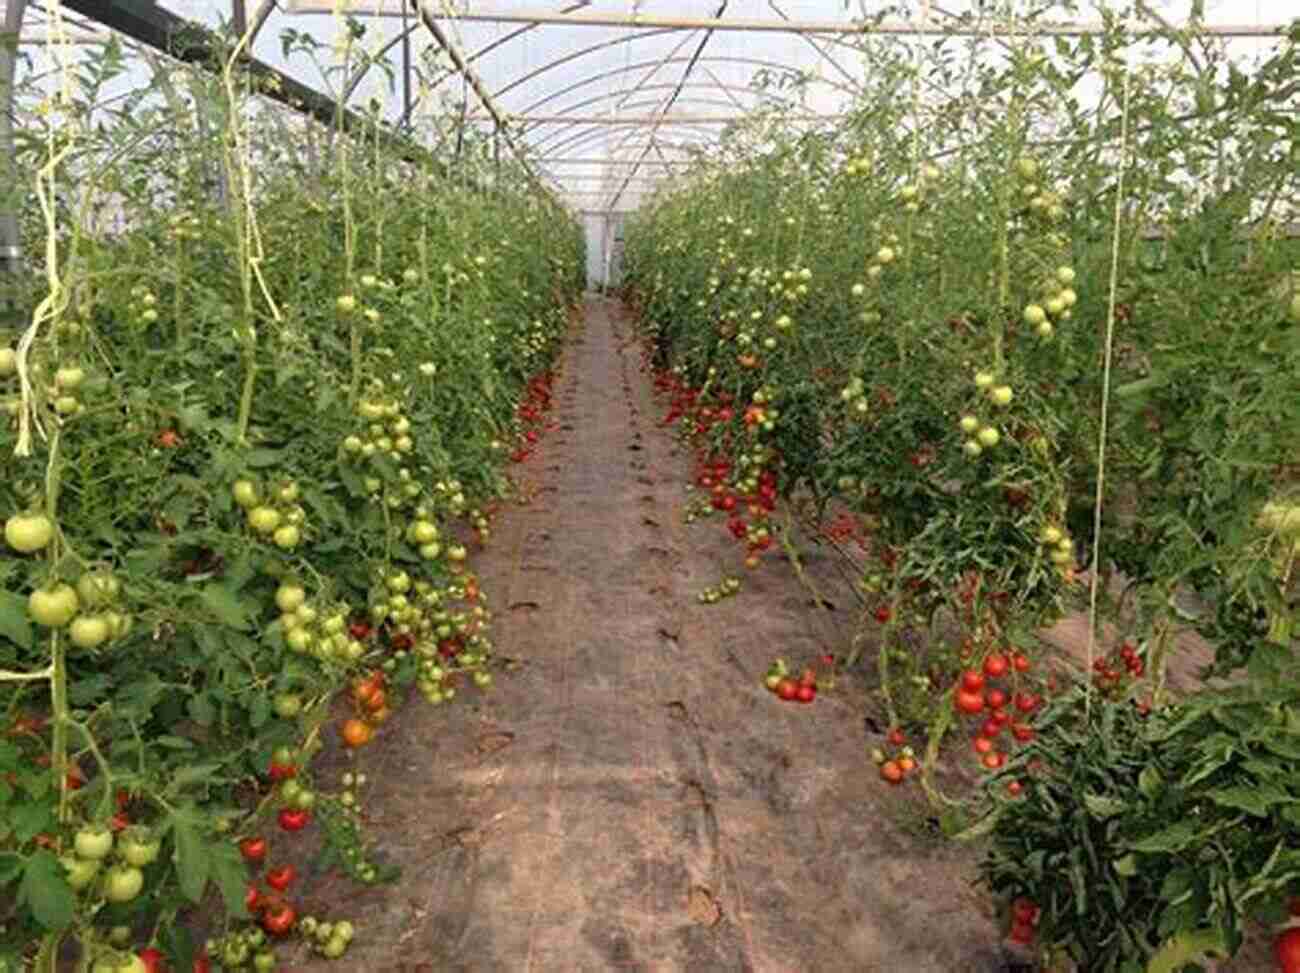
x=1135 y=831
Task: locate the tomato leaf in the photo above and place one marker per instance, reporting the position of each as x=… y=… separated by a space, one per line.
x=46 y=892
x=1102 y=808
x=225 y=605
x=14 y=623
x=231 y=875
x=191 y=856
x=1254 y=800
x=1177 y=836
x=1187 y=947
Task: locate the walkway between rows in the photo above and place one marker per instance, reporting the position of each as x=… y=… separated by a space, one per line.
x=630 y=797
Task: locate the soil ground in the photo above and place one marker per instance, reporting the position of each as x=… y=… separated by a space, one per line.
x=629 y=796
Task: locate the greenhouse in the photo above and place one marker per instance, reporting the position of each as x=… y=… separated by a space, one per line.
x=790 y=486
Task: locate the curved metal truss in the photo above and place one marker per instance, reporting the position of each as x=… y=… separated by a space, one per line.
x=591 y=91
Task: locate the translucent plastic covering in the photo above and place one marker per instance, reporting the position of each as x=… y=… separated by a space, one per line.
x=607 y=98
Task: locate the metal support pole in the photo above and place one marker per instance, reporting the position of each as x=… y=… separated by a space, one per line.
x=10 y=243
x=238 y=17
x=406 y=69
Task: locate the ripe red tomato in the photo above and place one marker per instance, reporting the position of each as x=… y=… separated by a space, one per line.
x=883 y=614
x=1022 y=732
x=253 y=850
x=896 y=737
x=787 y=689
x=1026 y=702
x=281 y=878
x=1021 y=662
x=972 y=680
x=805 y=693
x=1014 y=787
x=169 y=439
x=891 y=773
x=991 y=729
x=1021 y=932
x=1286 y=949
x=996 y=665
x=982 y=745
x=968 y=702
x=253 y=899
x=1024 y=910
x=280 y=772
x=279 y=919
x=293 y=820
x=994 y=760
x=996 y=699
x=202 y=964
x=153 y=960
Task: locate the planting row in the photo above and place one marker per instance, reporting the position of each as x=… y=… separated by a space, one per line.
x=249 y=451
x=976 y=373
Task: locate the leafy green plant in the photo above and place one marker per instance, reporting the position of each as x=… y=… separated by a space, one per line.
x=1133 y=832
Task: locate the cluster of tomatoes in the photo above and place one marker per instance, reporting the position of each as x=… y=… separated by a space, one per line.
x=1106 y=675
x=531 y=412
x=744 y=490
x=979 y=693
x=894 y=770
x=370 y=702
x=1024 y=921
x=789 y=689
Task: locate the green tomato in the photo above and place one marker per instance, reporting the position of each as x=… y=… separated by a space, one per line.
x=93 y=843
x=290 y=597
x=288 y=705
x=81 y=872
x=264 y=961
x=98 y=587
x=52 y=607
x=264 y=520
x=138 y=847
x=89 y=631
x=122 y=883
x=245 y=493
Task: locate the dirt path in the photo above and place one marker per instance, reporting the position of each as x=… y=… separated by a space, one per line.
x=631 y=798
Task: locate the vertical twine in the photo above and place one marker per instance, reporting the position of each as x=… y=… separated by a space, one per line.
x=1105 y=382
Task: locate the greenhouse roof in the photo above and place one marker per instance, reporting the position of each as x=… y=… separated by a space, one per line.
x=604 y=99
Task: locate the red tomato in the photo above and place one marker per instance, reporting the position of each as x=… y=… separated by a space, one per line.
x=1022 y=732
x=968 y=702
x=1022 y=933
x=991 y=729
x=1026 y=702
x=787 y=689
x=281 y=878
x=996 y=699
x=1024 y=910
x=891 y=772
x=896 y=737
x=153 y=960
x=280 y=772
x=982 y=745
x=805 y=693
x=253 y=899
x=253 y=849
x=293 y=820
x=1014 y=787
x=279 y=919
x=1021 y=662
x=202 y=964
x=972 y=680
x=1286 y=949
x=169 y=439
x=996 y=665
x=883 y=614
x=994 y=760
